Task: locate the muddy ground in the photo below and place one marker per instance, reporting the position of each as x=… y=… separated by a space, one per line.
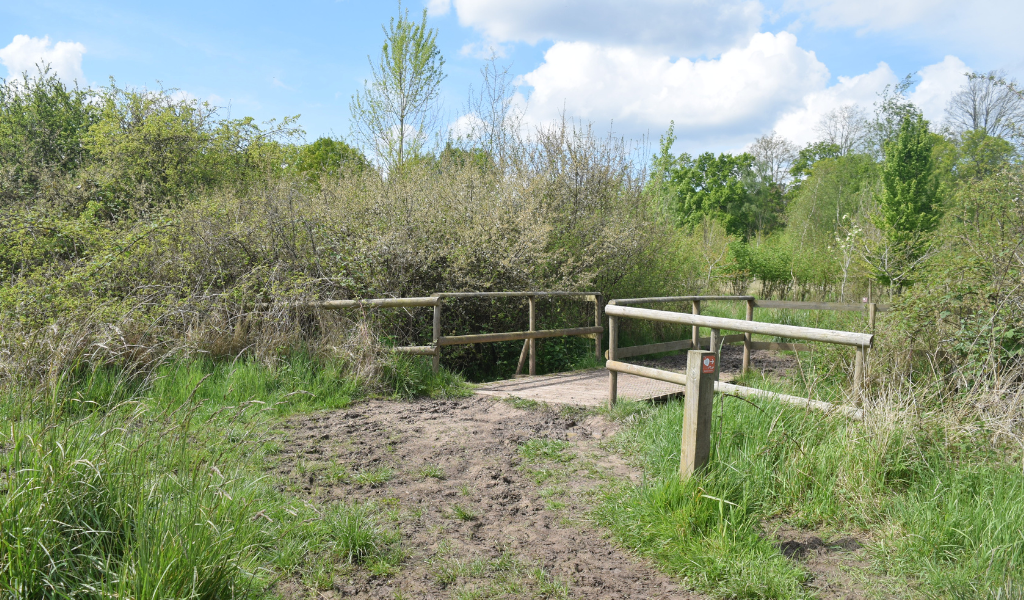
x=477 y=519
x=481 y=518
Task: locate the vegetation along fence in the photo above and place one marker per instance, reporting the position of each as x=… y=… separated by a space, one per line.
x=746 y=328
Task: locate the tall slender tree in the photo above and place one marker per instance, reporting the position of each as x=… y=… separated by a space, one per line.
x=394 y=114
x=909 y=206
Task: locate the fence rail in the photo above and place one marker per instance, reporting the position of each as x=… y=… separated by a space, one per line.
x=439 y=341
x=860 y=341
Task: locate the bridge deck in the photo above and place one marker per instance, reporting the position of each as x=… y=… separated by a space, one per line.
x=580 y=388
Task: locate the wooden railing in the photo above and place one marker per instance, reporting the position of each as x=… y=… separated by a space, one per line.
x=439 y=341
x=614 y=310
x=531 y=336
x=696 y=342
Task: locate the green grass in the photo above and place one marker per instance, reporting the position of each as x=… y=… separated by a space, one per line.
x=944 y=517
x=506 y=576
x=156 y=487
x=432 y=472
x=463 y=514
x=539 y=449
x=375 y=477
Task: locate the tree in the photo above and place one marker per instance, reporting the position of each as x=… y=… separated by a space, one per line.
x=814 y=152
x=987 y=102
x=843 y=127
x=396 y=111
x=713 y=186
x=326 y=155
x=42 y=123
x=908 y=205
x=773 y=156
x=891 y=110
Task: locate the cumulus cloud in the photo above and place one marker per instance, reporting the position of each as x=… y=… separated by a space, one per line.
x=937 y=85
x=800 y=123
x=931 y=94
x=673 y=27
x=24 y=53
x=733 y=95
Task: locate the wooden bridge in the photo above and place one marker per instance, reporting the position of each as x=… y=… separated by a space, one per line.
x=598 y=387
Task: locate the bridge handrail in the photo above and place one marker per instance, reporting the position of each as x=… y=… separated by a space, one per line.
x=846 y=338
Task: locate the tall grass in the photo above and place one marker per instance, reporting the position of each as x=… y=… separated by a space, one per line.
x=935 y=506
x=115 y=486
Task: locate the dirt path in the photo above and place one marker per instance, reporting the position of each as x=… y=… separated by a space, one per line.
x=483 y=511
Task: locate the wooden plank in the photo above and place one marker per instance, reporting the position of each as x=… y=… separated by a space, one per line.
x=780 y=346
x=436 y=337
x=737 y=390
x=695 y=334
x=748 y=392
x=522 y=357
x=483 y=338
x=648 y=372
x=376 y=303
x=663 y=299
x=836 y=306
x=584 y=295
x=613 y=353
x=695 y=450
x=845 y=338
x=653 y=348
x=533 y=341
x=416 y=350
x=747 y=338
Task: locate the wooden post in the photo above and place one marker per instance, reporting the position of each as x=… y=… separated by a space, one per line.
x=533 y=342
x=700 y=393
x=522 y=356
x=437 y=336
x=872 y=311
x=858 y=377
x=613 y=347
x=597 y=323
x=716 y=335
x=747 y=338
x=696 y=330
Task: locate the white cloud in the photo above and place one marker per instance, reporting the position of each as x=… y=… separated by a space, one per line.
x=932 y=93
x=938 y=82
x=24 y=53
x=673 y=27
x=989 y=28
x=438 y=8
x=799 y=124
x=466 y=126
x=735 y=95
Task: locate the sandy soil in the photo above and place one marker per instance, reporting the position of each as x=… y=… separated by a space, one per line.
x=491 y=503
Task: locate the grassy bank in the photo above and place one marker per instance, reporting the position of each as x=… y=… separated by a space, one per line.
x=938 y=510
x=115 y=486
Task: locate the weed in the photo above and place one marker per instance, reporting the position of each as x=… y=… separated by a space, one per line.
x=375 y=477
x=463 y=514
x=432 y=472
x=539 y=449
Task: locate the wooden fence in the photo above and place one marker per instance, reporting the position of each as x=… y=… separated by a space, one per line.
x=747 y=327
x=871 y=309
x=439 y=341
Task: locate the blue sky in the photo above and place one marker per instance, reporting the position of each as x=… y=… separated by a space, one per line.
x=726 y=71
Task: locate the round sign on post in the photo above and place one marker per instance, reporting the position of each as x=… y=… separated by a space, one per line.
x=708 y=364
